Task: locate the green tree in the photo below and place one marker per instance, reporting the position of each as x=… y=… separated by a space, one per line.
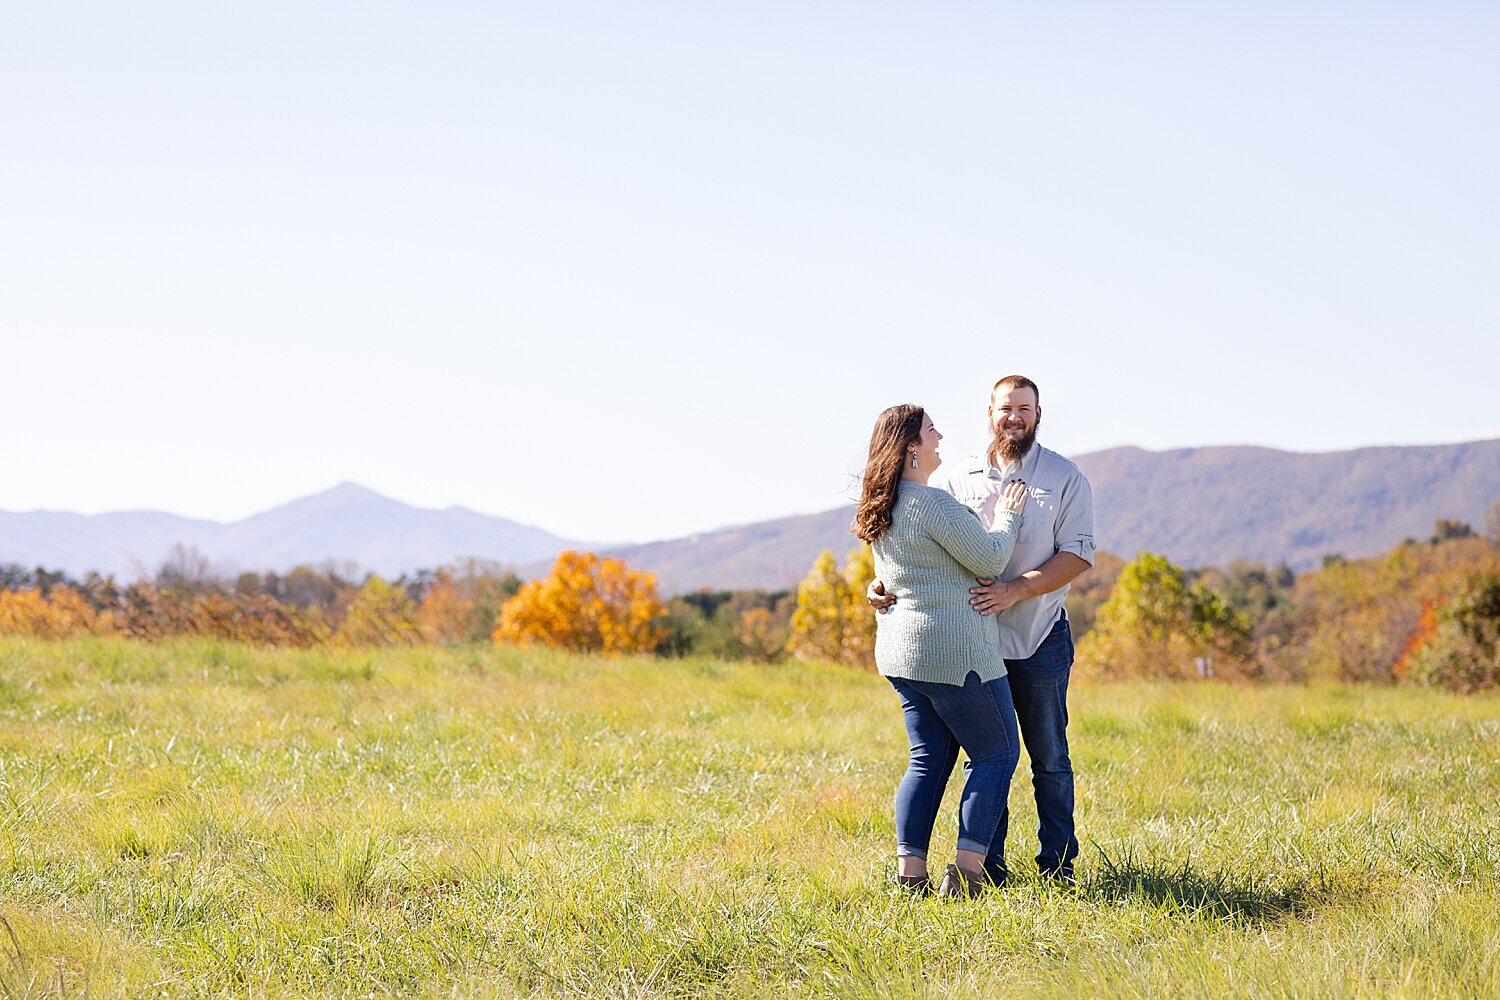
x=1157 y=624
x=329 y=588
x=732 y=625
x=1446 y=529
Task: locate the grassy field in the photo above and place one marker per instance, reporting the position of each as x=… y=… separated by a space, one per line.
x=200 y=819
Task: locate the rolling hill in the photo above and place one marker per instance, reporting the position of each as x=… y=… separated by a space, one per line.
x=1197 y=506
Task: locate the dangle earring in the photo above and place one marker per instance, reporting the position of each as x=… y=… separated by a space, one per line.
x=913 y=460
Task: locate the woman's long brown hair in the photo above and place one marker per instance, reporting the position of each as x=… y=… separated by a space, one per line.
x=896 y=429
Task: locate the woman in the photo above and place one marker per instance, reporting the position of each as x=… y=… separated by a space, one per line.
x=942 y=657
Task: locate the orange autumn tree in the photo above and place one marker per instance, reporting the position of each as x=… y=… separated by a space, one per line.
x=443 y=612
x=586 y=604
x=462 y=602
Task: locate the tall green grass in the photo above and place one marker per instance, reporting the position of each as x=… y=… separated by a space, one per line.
x=201 y=819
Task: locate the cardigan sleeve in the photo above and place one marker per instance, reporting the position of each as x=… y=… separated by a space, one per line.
x=958 y=530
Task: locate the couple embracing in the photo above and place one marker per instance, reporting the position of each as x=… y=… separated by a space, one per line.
x=970 y=580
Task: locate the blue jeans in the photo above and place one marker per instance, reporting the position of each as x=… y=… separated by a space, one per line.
x=1039 y=688
x=941 y=718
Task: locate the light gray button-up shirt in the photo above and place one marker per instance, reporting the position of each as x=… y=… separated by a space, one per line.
x=1059 y=517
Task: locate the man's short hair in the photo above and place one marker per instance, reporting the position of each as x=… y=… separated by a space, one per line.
x=1017 y=382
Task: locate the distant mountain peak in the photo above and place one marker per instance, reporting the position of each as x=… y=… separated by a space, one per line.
x=345 y=494
x=349 y=490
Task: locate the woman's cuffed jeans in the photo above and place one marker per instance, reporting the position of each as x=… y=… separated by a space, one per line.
x=940 y=718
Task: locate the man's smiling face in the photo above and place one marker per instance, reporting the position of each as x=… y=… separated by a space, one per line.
x=1014 y=418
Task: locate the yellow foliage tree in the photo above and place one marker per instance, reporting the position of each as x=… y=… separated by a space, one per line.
x=859 y=622
x=381 y=615
x=61 y=613
x=586 y=604
x=833 y=621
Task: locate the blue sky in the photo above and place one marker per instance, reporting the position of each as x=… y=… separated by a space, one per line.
x=632 y=270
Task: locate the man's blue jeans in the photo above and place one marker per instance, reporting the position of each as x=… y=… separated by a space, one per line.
x=1039 y=688
x=941 y=718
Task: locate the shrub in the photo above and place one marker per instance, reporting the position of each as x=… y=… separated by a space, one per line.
x=1462 y=652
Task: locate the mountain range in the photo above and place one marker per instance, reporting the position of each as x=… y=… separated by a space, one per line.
x=1203 y=506
x=1196 y=506
x=348 y=523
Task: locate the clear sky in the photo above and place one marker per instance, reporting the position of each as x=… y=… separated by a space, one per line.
x=630 y=270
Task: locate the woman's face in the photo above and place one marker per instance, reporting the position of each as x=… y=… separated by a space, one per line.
x=926 y=448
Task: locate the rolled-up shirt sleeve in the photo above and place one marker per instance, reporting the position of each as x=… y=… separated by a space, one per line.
x=1075 y=519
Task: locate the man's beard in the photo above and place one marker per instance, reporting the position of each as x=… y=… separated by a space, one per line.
x=1014 y=449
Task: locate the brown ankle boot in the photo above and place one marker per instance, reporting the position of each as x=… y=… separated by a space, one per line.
x=958 y=882
x=916 y=885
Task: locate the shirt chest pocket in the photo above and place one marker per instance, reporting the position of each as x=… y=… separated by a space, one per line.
x=1039 y=521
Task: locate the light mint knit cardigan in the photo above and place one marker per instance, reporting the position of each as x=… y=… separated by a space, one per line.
x=928 y=559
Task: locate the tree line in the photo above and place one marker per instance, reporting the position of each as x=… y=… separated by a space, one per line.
x=307 y=606
x=1426 y=612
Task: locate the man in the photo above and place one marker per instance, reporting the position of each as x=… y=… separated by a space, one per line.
x=1055 y=545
